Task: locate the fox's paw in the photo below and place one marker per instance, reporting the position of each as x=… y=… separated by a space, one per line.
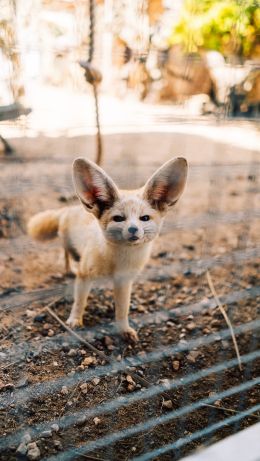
x=130 y=335
x=74 y=322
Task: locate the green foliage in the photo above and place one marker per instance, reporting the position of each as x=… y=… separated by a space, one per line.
x=228 y=26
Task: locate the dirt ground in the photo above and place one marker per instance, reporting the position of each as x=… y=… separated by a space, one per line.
x=215 y=226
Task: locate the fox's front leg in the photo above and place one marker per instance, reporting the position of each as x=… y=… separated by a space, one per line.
x=122 y=293
x=81 y=291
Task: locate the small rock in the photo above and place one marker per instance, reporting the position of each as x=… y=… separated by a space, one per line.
x=65 y=347
x=40 y=318
x=108 y=341
x=83 y=352
x=192 y=356
x=165 y=382
x=22 y=449
x=71 y=373
x=64 y=390
x=84 y=388
x=33 y=452
x=6 y=387
x=46 y=434
x=225 y=344
x=51 y=332
x=55 y=364
x=141 y=309
x=191 y=326
x=80 y=368
x=131 y=387
x=176 y=365
x=30 y=313
x=167 y=404
x=22 y=383
x=95 y=381
x=57 y=444
x=55 y=427
x=89 y=361
x=72 y=353
x=97 y=421
x=129 y=379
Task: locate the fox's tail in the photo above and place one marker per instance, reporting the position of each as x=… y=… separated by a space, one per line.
x=45 y=225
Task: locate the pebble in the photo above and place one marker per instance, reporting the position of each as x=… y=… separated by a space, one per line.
x=165 y=382
x=72 y=353
x=46 y=434
x=191 y=326
x=55 y=427
x=22 y=383
x=80 y=368
x=30 y=313
x=39 y=318
x=33 y=452
x=89 y=361
x=64 y=390
x=57 y=444
x=176 y=365
x=65 y=347
x=22 y=449
x=97 y=421
x=192 y=356
x=129 y=379
x=225 y=344
x=71 y=373
x=83 y=352
x=95 y=381
x=167 y=404
x=131 y=387
x=6 y=387
x=84 y=388
x=108 y=341
x=51 y=332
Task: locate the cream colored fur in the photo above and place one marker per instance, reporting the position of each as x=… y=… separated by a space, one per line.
x=114 y=239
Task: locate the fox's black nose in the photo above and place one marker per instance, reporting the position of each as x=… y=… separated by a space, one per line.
x=132 y=229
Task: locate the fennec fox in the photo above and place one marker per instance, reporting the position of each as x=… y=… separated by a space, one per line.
x=114 y=239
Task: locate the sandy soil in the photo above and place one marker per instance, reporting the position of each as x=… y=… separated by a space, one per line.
x=215 y=226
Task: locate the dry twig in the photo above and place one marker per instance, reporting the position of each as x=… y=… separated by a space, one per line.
x=223 y=312
x=229 y=410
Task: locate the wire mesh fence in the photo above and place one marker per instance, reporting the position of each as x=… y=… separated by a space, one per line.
x=180 y=387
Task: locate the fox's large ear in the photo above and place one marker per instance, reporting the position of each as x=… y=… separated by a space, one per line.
x=94 y=187
x=166 y=185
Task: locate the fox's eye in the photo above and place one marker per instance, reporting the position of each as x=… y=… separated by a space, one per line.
x=118 y=218
x=145 y=217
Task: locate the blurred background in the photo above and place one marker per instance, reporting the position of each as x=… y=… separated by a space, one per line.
x=166 y=59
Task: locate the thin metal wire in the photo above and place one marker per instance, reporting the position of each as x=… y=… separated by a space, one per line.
x=121 y=401
x=41 y=389
x=196 y=435
x=154 y=422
